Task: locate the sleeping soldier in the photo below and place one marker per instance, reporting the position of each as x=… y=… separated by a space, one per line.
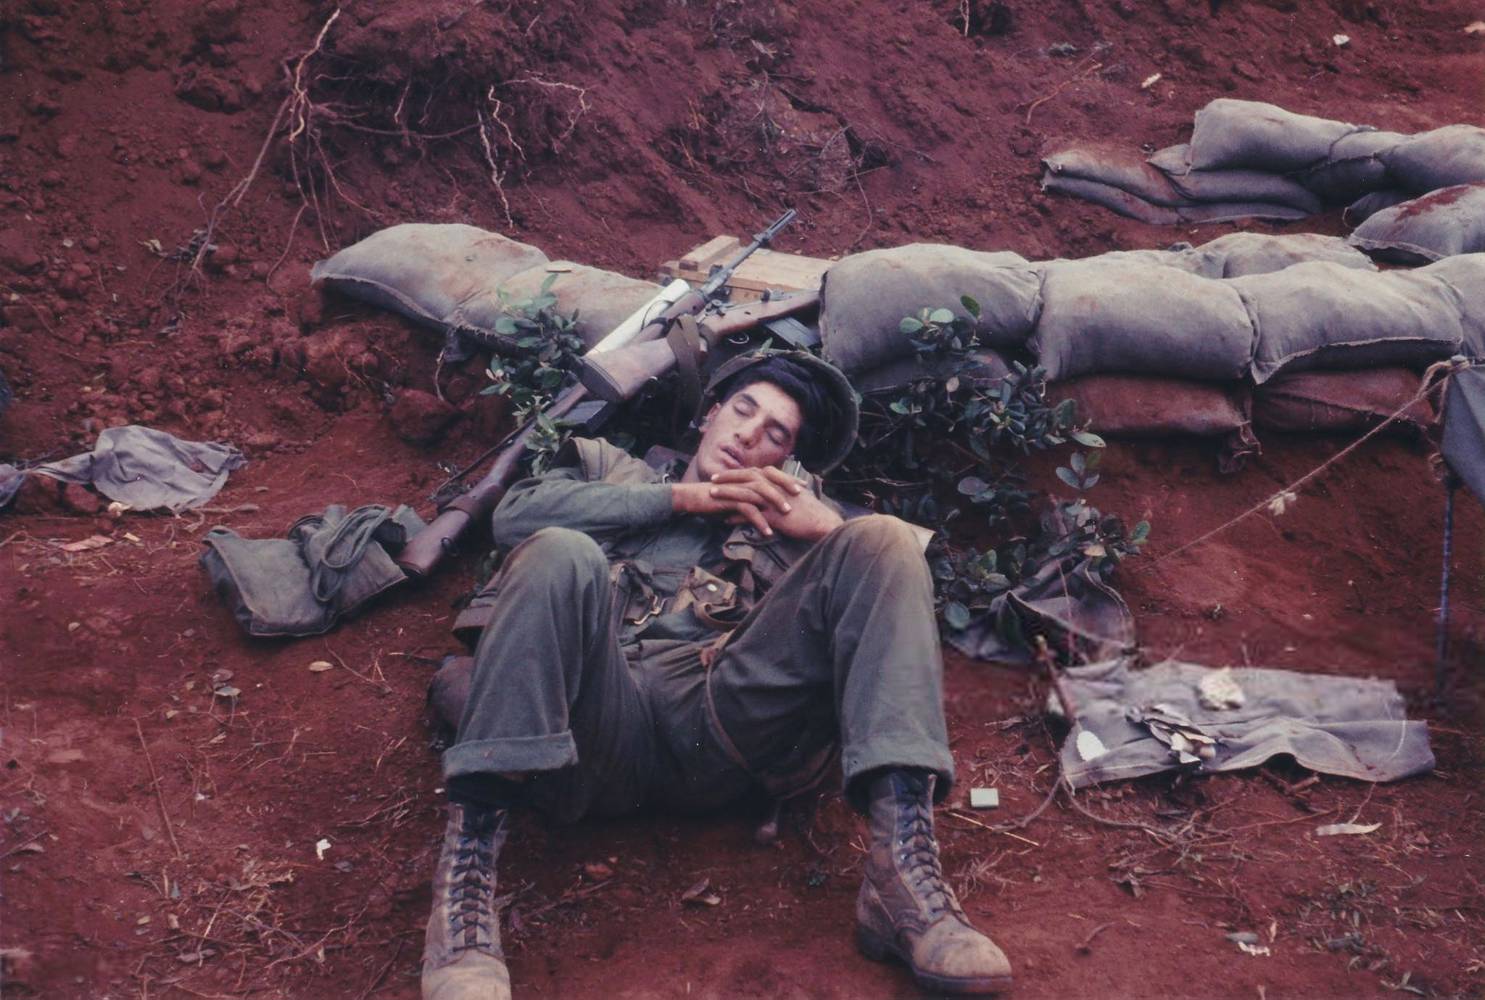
x=659 y=640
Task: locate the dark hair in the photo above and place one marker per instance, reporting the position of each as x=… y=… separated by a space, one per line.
x=800 y=384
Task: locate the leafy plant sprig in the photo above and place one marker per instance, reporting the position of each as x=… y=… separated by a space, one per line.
x=544 y=350
x=960 y=431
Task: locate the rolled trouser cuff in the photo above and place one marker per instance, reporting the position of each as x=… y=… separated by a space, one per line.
x=510 y=755
x=886 y=755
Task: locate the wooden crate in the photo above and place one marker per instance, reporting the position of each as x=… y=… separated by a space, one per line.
x=765 y=270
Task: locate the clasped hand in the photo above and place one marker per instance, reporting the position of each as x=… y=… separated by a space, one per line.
x=768 y=498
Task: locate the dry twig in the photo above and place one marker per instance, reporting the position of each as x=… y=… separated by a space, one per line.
x=155 y=781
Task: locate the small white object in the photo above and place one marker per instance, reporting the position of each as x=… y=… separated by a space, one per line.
x=1150 y=81
x=321 y=846
x=1253 y=949
x=1475 y=28
x=1339 y=829
x=1090 y=746
x=1341 y=41
x=1218 y=691
x=984 y=798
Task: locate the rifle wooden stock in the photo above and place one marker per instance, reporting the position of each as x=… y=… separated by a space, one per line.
x=617 y=375
x=744 y=316
x=425 y=550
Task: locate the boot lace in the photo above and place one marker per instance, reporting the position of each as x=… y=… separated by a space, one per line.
x=917 y=857
x=472 y=916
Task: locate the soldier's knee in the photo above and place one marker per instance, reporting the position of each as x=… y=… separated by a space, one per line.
x=880 y=535
x=564 y=552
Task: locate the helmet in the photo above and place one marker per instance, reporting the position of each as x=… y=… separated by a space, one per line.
x=827 y=445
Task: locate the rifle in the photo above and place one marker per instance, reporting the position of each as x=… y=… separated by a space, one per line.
x=425 y=550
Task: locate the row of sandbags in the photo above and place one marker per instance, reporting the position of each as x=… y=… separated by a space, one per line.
x=1249 y=159
x=1243 y=307
x=1290 y=333
x=1152 y=341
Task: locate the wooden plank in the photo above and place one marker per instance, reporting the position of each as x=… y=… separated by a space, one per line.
x=704 y=256
x=765 y=270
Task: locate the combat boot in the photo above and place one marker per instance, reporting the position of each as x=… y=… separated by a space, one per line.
x=462 y=958
x=905 y=908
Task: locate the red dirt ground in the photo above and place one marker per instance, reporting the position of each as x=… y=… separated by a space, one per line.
x=157 y=842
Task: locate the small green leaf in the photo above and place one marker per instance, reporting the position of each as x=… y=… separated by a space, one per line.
x=1140 y=533
x=972 y=485
x=1069 y=477
x=909 y=325
x=505 y=326
x=1090 y=481
x=970 y=305
x=943 y=317
x=1088 y=439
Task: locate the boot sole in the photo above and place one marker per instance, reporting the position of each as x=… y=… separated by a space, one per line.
x=879 y=949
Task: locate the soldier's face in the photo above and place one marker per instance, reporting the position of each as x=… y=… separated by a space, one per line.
x=754 y=427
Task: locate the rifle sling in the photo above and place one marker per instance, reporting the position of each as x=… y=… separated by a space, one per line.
x=684 y=339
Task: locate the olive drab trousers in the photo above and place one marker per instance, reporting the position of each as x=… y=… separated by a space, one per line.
x=842 y=652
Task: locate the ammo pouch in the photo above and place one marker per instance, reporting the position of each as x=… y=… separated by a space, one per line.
x=717 y=603
x=329 y=566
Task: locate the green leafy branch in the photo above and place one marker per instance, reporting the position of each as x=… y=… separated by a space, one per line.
x=959 y=431
x=544 y=350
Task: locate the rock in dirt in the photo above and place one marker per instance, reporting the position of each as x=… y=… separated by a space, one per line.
x=420 y=417
x=17 y=252
x=81 y=500
x=329 y=356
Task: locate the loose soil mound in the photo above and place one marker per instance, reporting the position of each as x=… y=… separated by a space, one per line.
x=158 y=840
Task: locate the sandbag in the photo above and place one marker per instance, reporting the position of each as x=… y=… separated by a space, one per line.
x=1245 y=186
x=1131 y=206
x=1115 y=166
x=1252 y=135
x=1340 y=402
x=1146 y=406
x=1104 y=317
x=601 y=299
x=1443 y=157
x=433 y=274
x=1440 y=224
x=1465 y=276
x=1366 y=206
x=865 y=297
x=1238 y=254
x=1136 y=190
x=1322 y=315
x=1353 y=167
x=981 y=366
